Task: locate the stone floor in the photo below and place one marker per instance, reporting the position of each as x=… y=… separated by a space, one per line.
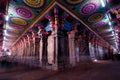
x=101 y=70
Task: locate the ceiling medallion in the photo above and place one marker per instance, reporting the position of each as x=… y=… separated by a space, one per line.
x=34 y=3
x=12 y=33
x=95 y=17
x=10 y=37
x=19 y=21
x=99 y=24
x=16 y=27
x=73 y=1
x=23 y=12
x=88 y=8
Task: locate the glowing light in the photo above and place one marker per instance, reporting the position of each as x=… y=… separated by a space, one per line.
x=5 y=49
x=102 y=3
x=5 y=32
x=110 y=29
x=6 y=17
x=8 y=53
x=113 y=32
x=109 y=16
x=4 y=38
x=95 y=60
x=110 y=23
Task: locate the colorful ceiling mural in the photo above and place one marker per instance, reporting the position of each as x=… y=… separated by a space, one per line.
x=26 y=16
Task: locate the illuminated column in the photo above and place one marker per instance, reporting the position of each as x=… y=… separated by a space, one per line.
x=56 y=61
x=94 y=45
x=71 y=36
x=40 y=51
x=97 y=51
x=100 y=51
x=33 y=37
x=41 y=46
x=34 y=46
x=31 y=44
x=50 y=40
x=77 y=40
x=73 y=45
x=24 y=41
x=91 y=47
x=61 y=54
x=50 y=47
x=96 y=48
x=27 y=46
x=22 y=48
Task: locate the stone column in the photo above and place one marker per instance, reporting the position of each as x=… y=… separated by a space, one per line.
x=58 y=62
x=40 y=51
x=50 y=48
x=24 y=41
x=72 y=59
x=44 y=50
x=96 y=49
x=28 y=46
x=101 y=51
x=84 y=47
x=33 y=36
x=50 y=40
x=31 y=45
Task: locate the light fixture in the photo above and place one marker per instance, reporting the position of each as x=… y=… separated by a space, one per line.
x=95 y=60
x=110 y=23
x=5 y=32
x=110 y=29
x=5 y=49
x=9 y=53
x=6 y=17
x=103 y=3
x=109 y=16
x=113 y=32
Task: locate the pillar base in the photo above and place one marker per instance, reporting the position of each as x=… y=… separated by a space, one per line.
x=85 y=58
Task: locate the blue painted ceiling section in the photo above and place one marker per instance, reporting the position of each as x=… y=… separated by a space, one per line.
x=67 y=25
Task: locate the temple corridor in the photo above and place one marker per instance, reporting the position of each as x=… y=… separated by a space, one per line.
x=101 y=70
x=59 y=39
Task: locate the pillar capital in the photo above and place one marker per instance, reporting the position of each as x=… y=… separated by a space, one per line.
x=51 y=20
x=62 y=18
x=75 y=25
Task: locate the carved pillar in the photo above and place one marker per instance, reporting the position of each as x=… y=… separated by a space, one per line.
x=91 y=47
x=24 y=41
x=73 y=45
x=40 y=46
x=71 y=36
x=86 y=33
x=61 y=56
x=28 y=58
x=84 y=47
x=96 y=48
x=50 y=48
x=100 y=51
x=50 y=40
x=44 y=51
x=40 y=51
x=35 y=54
x=31 y=45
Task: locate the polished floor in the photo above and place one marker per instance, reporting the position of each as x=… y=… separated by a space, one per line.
x=102 y=70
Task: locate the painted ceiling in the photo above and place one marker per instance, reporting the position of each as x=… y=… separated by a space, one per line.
x=99 y=16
